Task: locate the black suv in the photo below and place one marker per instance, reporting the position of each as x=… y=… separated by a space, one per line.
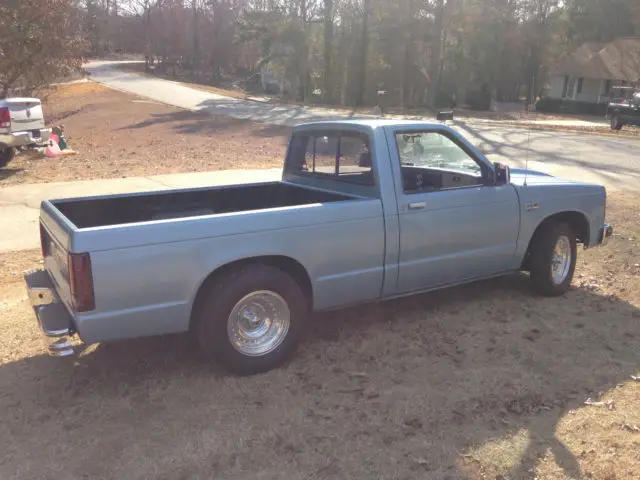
x=625 y=110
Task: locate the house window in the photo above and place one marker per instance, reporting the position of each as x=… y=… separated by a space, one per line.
x=607 y=87
x=580 y=82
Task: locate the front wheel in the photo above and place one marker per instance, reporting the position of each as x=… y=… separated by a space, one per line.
x=553 y=259
x=6 y=155
x=250 y=320
x=616 y=123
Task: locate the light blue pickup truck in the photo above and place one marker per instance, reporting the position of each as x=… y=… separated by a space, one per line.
x=366 y=210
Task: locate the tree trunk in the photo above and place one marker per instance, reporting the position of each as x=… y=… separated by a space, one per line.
x=106 y=26
x=436 y=55
x=304 y=71
x=363 y=59
x=405 y=98
x=406 y=73
x=195 y=54
x=328 y=46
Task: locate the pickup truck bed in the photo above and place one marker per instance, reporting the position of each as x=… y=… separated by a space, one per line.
x=125 y=209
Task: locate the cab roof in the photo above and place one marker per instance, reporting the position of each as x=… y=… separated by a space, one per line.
x=372 y=123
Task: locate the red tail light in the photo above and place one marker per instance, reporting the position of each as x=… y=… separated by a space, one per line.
x=5 y=117
x=81 y=282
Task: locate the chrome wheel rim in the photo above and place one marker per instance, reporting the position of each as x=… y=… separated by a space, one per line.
x=561 y=260
x=258 y=323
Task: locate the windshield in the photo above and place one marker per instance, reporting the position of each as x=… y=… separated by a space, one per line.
x=434 y=150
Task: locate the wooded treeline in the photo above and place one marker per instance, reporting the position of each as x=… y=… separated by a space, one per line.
x=421 y=52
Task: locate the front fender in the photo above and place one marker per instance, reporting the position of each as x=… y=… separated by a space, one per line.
x=539 y=203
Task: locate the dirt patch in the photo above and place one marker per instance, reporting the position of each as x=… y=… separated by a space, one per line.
x=482 y=382
x=14 y=264
x=120 y=135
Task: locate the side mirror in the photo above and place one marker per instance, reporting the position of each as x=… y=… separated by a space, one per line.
x=502 y=174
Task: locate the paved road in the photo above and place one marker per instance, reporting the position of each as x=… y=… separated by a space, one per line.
x=614 y=162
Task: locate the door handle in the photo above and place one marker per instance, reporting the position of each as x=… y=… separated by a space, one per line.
x=417 y=205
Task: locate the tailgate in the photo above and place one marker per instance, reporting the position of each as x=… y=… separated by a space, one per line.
x=26 y=114
x=55 y=236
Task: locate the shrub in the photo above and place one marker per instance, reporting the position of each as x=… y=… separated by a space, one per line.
x=565 y=105
x=479 y=99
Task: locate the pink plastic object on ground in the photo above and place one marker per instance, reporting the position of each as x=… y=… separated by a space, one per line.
x=54 y=137
x=52 y=150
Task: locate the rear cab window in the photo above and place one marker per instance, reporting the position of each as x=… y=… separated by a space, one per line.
x=343 y=157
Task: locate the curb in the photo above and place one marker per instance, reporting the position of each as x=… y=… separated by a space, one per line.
x=596 y=130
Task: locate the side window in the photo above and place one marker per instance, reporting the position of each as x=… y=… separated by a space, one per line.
x=340 y=156
x=431 y=161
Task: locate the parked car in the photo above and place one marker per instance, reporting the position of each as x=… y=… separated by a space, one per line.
x=21 y=125
x=366 y=210
x=625 y=111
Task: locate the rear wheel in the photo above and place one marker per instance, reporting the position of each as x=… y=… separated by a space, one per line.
x=553 y=259
x=616 y=123
x=250 y=319
x=6 y=155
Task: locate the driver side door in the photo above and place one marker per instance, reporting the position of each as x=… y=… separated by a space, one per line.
x=454 y=225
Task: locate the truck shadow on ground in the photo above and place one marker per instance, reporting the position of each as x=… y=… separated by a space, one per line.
x=6 y=172
x=398 y=390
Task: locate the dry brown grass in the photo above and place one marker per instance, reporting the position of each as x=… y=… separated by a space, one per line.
x=481 y=382
x=120 y=135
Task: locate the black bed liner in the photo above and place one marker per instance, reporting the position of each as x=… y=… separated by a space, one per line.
x=118 y=210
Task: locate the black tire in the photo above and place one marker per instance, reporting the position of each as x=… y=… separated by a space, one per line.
x=616 y=124
x=541 y=261
x=216 y=303
x=6 y=155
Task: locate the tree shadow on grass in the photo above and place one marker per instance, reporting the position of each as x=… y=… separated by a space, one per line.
x=202 y=122
x=52 y=119
x=397 y=389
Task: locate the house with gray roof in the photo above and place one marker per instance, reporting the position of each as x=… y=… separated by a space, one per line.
x=594 y=71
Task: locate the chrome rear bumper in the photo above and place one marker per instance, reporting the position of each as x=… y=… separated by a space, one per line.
x=23 y=139
x=606 y=232
x=53 y=318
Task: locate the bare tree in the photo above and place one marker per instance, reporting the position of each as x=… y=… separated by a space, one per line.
x=40 y=43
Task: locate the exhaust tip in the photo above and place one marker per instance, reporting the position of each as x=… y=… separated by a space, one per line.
x=62 y=347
